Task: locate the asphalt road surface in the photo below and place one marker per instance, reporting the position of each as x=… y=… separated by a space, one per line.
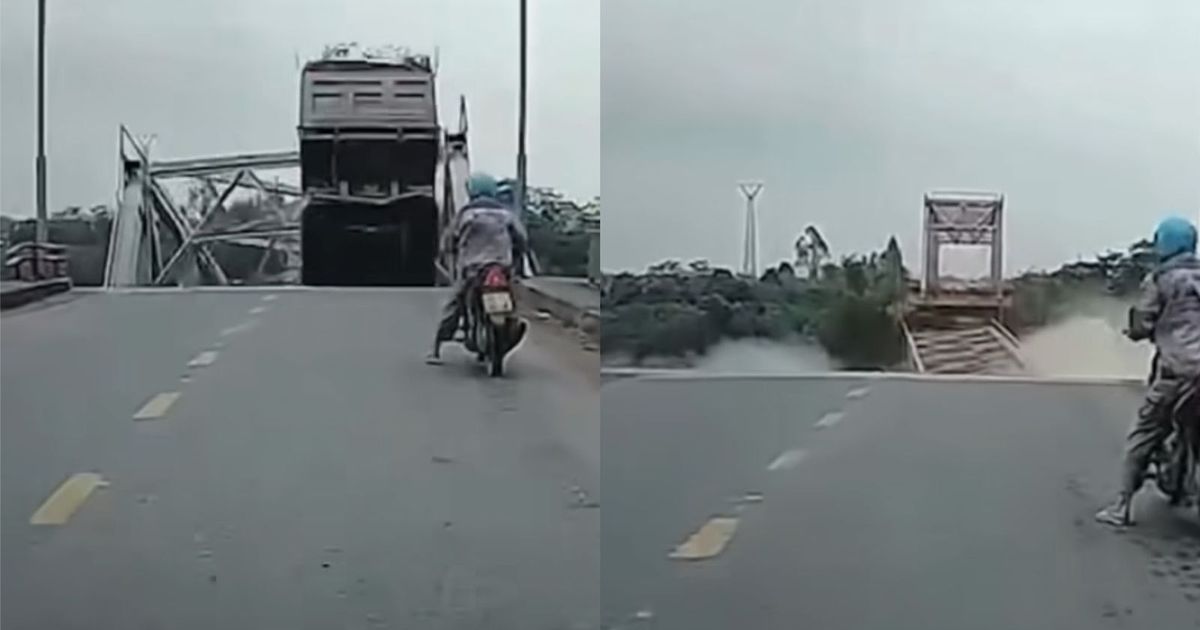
x=311 y=472
x=888 y=505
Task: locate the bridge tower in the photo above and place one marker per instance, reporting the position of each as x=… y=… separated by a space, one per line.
x=963 y=219
x=957 y=326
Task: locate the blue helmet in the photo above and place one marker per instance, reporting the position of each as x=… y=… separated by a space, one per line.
x=1174 y=236
x=481 y=185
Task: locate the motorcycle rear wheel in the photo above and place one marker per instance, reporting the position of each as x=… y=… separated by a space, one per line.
x=495 y=357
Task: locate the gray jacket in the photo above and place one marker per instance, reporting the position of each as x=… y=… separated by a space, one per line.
x=486 y=232
x=1168 y=311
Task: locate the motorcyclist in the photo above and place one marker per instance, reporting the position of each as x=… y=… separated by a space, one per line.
x=483 y=233
x=1168 y=313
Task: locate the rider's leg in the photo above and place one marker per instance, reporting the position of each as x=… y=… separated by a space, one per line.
x=448 y=324
x=1150 y=429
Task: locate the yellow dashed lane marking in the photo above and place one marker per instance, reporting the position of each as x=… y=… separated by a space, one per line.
x=157 y=407
x=787 y=459
x=709 y=541
x=830 y=419
x=57 y=509
x=203 y=359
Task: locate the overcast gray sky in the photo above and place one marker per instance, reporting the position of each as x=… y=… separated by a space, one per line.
x=219 y=77
x=1084 y=113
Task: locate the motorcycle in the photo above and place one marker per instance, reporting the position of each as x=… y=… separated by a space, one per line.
x=491 y=323
x=1175 y=466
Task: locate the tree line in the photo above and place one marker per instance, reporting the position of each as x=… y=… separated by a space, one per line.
x=673 y=309
x=852 y=307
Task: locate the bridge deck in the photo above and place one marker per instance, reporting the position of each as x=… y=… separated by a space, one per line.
x=978 y=350
x=316 y=474
x=922 y=505
x=959 y=333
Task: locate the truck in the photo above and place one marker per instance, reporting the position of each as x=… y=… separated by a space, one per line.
x=369 y=154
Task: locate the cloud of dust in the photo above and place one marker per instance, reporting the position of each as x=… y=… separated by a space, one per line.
x=757 y=356
x=1088 y=343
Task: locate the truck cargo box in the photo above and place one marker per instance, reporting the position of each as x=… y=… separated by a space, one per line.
x=369 y=154
x=368 y=128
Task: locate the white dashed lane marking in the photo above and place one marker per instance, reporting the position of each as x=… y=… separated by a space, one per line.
x=257 y=310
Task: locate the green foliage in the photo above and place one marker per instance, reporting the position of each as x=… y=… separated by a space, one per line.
x=556 y=229
x=664 y=329
x=560 y=253
x=1042 y=298
x=861 y=332
x=674 y=310
x=64 y=231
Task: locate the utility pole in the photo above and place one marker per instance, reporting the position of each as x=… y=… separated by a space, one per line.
x=41 y=235
x=521 y=172
x=750 y=191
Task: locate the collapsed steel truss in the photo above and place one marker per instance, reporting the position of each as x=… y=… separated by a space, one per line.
x=155 y=242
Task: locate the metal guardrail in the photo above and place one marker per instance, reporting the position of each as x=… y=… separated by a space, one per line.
x=1008 y=340
x=914 y=354
x=33 y=262
x=1006 y=333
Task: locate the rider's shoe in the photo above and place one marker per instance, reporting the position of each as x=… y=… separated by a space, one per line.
x=434 y=357
x=1117 y=513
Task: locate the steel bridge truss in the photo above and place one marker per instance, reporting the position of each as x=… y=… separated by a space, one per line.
x=155 y=242
x=963 y=218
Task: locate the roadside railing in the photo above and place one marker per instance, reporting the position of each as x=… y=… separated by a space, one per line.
x=914 y=354
x=34 y=262
x=594 y=274
x=1008 y=340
